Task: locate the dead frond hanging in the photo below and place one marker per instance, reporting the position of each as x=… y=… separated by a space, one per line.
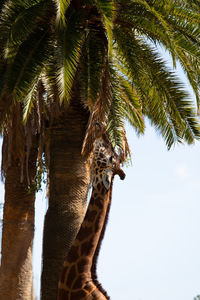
x=99 y=111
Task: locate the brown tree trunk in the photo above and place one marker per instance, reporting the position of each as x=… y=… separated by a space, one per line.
x=69 y=178
x=18 y=233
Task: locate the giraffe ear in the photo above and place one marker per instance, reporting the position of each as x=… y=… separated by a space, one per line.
x=107 y=177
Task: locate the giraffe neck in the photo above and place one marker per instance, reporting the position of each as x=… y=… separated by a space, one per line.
x=96 y=254
x=79 y=273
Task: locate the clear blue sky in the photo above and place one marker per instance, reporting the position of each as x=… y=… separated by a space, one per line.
x=151 y=248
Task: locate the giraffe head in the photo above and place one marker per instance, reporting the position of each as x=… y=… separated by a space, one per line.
x=106 y=162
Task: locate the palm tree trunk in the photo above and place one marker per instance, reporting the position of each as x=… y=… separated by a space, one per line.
x=18 y=233
x=69 y=178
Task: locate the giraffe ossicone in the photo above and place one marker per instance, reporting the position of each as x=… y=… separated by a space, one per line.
x=78 y=280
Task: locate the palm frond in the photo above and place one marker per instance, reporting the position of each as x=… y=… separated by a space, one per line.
x=61 y=6
x=28 y=63
x=29 y=101
x=116 y=126
x=69 y=44
x=91 y=65
x=107 y=11
x=164 y=99
x=132 y=106
x=101 y=108
x=171 y=24
x=17 y=20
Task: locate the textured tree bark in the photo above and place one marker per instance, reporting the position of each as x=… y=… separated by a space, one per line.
x=69 y=178
x=18 y=232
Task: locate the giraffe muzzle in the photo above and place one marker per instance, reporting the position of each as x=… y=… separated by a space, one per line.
x=120 y=173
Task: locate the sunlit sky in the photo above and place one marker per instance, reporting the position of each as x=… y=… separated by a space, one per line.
x=151 y=248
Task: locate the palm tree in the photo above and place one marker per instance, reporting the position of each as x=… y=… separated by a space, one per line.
x=20 y=151
x=97 y=61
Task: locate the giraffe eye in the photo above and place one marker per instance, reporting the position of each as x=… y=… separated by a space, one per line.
x=111 y=159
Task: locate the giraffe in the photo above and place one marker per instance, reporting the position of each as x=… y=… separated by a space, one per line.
x=78 y=280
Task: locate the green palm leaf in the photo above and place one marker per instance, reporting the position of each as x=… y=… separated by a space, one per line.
x=28 y=63
x=61 y=6
x=29 y=101
x=69 y=44
x=132 y=109
x=107 y=10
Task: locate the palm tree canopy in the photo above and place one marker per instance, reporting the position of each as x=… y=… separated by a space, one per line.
x=111 y=48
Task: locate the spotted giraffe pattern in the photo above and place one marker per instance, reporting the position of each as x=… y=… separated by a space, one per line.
x=78 y=280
